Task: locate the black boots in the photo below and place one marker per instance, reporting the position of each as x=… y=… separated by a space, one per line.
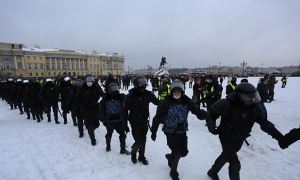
x=143 y=160
x=212 y=175
x=133 y=157
x=108 y=148
x=94 y=142
x=124 y=151
x=174 y=164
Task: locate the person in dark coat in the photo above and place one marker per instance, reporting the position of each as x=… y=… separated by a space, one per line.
x=284 y=81
x=231 y=86
x=35 y=100
x=173 y=113
x=263 y=90
x=49 y=95
x=64 y=90
x=137 y=105
x=26 y=97
x=88 y=96
x=19 y=98
x=76 y=114
x=272 y=81
x=197 y=90
x=112 y=116
x=238 y=112
x=11 y=93
x=213 y=91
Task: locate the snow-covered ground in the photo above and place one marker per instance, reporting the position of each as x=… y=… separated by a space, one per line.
x=46 y=151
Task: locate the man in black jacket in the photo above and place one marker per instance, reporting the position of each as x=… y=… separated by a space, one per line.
x=49 y=95
x=76 y=114
x=238 y=112
x=19 y=98
x=35 y=102
x=173 y=112
x=263 y=90
x=137 y=104
x=112 y=116
x=64 y=89
x=213 y=91
x=231 y=86
x=88 y=96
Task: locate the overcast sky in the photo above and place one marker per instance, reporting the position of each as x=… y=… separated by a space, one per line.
x=190 y=33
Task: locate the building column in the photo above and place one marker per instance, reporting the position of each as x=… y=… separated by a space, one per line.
x=75 y=63
x=15 y=62
x=23 y=62
x=70 y=65
x=55 y=63
x=83 y=64
x=50 y=63
x=60 y=60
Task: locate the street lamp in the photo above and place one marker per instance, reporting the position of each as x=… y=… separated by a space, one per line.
x=243 y=64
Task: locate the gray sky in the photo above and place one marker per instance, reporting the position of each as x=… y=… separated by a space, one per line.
x=190 y=33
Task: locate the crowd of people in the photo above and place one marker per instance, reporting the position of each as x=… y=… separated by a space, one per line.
x=92 y=101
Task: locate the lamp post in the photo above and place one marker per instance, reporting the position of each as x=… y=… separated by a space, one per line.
x=243 y=64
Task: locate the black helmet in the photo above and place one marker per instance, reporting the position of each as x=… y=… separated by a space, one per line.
x=247 y=93
x=139 y=81
x=113 y=87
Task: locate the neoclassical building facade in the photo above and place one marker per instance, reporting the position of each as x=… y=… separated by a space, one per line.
x=18 y=60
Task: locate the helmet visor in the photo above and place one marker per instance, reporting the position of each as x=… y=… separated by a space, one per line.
x=250 y=99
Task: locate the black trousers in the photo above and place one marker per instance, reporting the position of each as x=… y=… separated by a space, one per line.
x=54 y=109
x=91 y=122
x=65 y=110
x=139 y=133
x=229 y=154
x=178 y=146
x=118 y=126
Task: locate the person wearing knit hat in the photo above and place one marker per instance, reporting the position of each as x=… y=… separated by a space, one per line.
x=173 y=113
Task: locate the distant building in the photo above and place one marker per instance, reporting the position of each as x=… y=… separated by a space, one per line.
x=17 y=60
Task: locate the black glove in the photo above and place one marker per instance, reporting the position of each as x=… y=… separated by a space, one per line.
x=126 y=129
x=283 y=143
x=214 y=131
x=153 y=136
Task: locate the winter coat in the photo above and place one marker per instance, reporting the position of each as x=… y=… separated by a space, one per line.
x=50 y=93
x=111 y=108
x=263 y=91
x=173 y=113
x=34 y=96
x=138 y=106
x=88 y=103
x=237 y=119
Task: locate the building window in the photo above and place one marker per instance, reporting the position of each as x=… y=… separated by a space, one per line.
x=34 y=57
x=42 y=74
x=20 y=65
x=37 y=74
x=41 y=58
x=54 y=73
x=30 y=74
